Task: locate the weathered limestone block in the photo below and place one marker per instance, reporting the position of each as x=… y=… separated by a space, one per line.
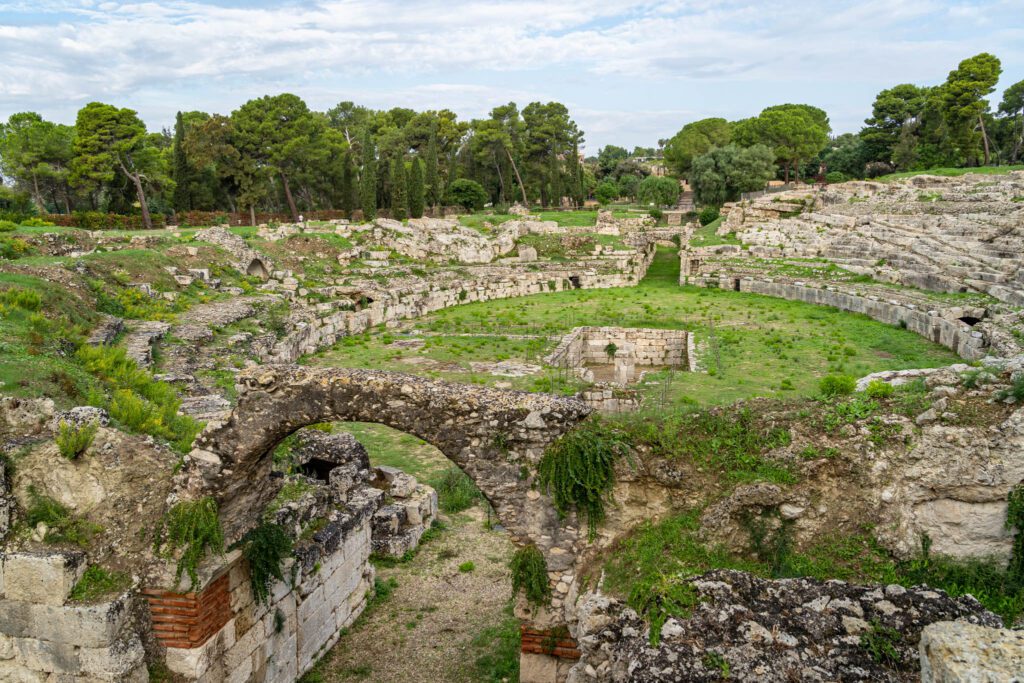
x=45 y=579
x=958 y=652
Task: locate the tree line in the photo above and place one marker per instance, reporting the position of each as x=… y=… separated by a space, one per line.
x=910 y=128
x=274 y=154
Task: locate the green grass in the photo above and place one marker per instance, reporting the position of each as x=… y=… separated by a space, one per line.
x=98 y=582
x=984 y=170
x=765 y=346
x=498 y=648
x=705 y=236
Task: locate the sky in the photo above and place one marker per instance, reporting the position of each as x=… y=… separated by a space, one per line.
x=630 y=71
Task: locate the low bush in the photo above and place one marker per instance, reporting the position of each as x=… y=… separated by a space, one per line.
x=708 y=215
x=98 y=582
x=578 y=469
x=8 y=226
x=836 y=385
x=193 y=527
x=62 y=525
x=878 y=389
x=74 y=440
x=530 y=575
x=456 y=491
x=265 y=548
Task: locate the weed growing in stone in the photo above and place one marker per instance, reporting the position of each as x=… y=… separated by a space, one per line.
x=62 y=526
x=73 y=441
x=530 y=575
x=265 y=548
x=191 y=526
x=97 y=582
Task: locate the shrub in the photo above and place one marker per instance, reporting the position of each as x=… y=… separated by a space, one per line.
x=8 y=226
x=835 y=177
x=13 y=248
x=73 y=441
x=579 y=469
x=468 y=194
x=36 y=222
x=657 y=215
x=456 y=491
x=836 y=385
x=18 y=297
x=1015 y=520
x=878 y=389
x=709 y=214
x=265 y=548
x=193 y=527
x=1015 y=392
x=97 y=582
x=530 y=575
x=467 y=567
x=874 y=169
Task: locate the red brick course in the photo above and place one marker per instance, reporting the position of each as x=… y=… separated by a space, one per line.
x=552 y=642
x=187 y=620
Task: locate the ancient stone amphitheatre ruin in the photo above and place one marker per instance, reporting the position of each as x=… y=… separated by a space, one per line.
x=681 y=494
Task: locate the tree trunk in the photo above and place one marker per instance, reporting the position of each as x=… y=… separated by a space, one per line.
x=787 y=173
x=252 y=215
x=984 y=137
x=522 y=188
x=288 y=196
x=37 y=196
x=501 y=178
x=147 y=222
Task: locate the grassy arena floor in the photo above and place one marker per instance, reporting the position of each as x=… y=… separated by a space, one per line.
x=749 y=345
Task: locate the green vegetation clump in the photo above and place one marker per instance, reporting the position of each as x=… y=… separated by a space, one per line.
x=97 y=582
x=193 y=527
x=578 y=469
x=530 y=575
x=837 y=385
x=1013 y=393
x=62 y=525
x=731 y=443
x=1015 y=521
x=499 y=647
x=265 y=548
x=878 y=389
x=467 y=566
x=708 y=215
x=880 y=642
x=73 y=441
x=455 y=491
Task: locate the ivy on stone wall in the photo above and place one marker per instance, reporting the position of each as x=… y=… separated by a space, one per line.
x=530 y=574
x=193 y=527
x=265 y=548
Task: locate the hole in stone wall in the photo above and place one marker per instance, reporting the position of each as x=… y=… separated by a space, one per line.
x=574 y=280
x=256 y=268
x=970 y=320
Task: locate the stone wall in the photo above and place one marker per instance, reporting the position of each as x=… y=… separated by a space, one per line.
x=936 y=325
x=585 y=345
x=278 y=641
x=486 y=284
x=45 y=637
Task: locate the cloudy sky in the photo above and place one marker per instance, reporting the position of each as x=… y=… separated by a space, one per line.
x=630 y=71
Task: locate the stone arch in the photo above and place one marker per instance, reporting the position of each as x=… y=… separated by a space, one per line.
x=495 y=436
x=258 y=269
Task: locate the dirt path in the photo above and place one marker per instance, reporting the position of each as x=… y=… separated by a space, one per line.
x=423 y=632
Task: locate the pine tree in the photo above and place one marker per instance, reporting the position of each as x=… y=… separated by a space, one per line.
x=575 y=179
x=348 y=185
x=399 y=190
x=368 y=180
x=433 y=178
x=416 y=189
x=182 y=172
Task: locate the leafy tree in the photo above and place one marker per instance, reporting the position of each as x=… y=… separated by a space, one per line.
x=629 y=185
x=416 y=188
x=964 y=99
x=1012 y=107
x=694 y=139
x=109 y=140
x=432 y=190
x=399 y=190
x=180 y=172
x=796 y=131
x=575 y=177
x=607 y=191
x=658 y=190
x=846 y=154
x=724 y=173
x=549 y=134
x=276 y=134
x=608 y=157
x=368 y=179
x=35 y=154
x=895 y=112
x=468 y=194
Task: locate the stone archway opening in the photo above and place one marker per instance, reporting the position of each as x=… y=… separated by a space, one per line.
x=257 y=268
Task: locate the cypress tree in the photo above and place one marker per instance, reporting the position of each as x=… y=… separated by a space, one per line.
x=368 y=180
x=433 y=178
x=399 y=190
x=182 y=174
x=348 y=194
x=416 y=189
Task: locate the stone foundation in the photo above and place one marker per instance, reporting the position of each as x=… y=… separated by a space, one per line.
x=590 y=346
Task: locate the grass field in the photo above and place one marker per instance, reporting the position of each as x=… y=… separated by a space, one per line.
x=748 y=344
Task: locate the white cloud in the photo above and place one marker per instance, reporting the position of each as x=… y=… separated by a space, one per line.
x=54 y=56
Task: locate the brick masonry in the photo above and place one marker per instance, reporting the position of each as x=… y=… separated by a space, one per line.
x=187 y=620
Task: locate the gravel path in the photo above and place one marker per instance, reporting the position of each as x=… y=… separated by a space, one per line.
x=423 y=632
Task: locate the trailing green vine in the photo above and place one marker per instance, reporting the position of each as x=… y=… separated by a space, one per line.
x=265 y=548
x=1015 y=519
x=191 y=525
x=578 y=470
x=530 y=574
